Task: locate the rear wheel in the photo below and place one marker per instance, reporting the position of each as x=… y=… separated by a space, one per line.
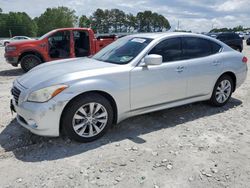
x=87 y=118
x=222 y=92
x=30 y=61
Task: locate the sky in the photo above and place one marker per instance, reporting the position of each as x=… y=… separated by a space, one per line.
x=194 y=15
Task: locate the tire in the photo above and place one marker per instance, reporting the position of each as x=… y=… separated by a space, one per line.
x=30 y=61
x=78 y=126
x=221 y=95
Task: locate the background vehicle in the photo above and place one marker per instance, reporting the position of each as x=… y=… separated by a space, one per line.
x=14 y=39
x=84 y=98
x=57 y=44
x=231 y=39
x=248 y=41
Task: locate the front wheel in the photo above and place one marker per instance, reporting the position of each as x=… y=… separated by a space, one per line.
x=87 y=118
x=30 y=61
x=222 y=92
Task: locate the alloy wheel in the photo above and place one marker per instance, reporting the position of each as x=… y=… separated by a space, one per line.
x=223 y=91
x=90 y=119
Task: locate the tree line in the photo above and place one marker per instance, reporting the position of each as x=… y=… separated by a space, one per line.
x=235 y=29
x=101 y=21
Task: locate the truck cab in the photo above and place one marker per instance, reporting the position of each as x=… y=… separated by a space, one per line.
x=57 y=44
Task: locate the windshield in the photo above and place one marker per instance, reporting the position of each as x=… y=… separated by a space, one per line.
x=46 y=35
x=123 y=50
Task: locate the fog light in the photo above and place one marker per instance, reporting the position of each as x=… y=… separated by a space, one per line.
x=32 y=123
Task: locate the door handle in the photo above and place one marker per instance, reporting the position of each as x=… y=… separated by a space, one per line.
x=216 y=63
x=180 y=68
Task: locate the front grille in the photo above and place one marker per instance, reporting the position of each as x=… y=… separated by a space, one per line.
x=16 y=93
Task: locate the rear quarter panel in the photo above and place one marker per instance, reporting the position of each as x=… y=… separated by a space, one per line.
x=233 y=63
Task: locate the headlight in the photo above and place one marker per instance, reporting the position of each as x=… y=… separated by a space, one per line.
x=10 y=48
x=45 y=94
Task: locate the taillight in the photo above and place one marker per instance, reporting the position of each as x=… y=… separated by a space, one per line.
x=244 y=59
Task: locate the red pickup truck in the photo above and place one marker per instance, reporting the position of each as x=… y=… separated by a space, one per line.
x=57 y=44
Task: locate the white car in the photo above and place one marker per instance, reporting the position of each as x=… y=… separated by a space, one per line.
x=134 y=75
x=14 y=39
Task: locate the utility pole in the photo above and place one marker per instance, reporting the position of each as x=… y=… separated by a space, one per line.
x=178 y=25
x=10 y=33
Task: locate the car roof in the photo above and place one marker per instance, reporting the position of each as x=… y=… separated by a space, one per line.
x=21 y=36
x=168 y=34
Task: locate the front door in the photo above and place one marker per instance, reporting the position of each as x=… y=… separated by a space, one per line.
x=157 y=84
x=59 y=45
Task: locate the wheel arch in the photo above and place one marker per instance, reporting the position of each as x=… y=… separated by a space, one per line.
x=109 y=97
x=233 y=76
x=31 y=52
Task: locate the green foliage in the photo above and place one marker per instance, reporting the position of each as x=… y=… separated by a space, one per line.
x=101 y=21
x=151 y=22
x=84 y=21
x=235 y=29
x=131 y=22
x=54 y=18
x=17 y=23
x=115 y=20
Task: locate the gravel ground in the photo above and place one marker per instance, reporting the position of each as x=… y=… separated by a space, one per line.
x=190 y=146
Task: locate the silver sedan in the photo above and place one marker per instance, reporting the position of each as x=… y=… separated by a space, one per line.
x=136 y=74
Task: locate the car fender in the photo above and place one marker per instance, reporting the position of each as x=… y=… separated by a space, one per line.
x=119 y=92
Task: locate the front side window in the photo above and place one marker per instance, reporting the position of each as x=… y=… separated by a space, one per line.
x=59 y=44
x=169 y=49
x=198 y=47
x=123 y=50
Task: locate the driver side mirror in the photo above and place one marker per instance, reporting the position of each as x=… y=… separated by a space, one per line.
x=153 y=59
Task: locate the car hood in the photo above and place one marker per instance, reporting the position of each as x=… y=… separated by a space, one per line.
x=22 y=42
x=57 y=70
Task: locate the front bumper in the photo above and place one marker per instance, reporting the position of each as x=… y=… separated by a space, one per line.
x=40 y=118
x=12 y=60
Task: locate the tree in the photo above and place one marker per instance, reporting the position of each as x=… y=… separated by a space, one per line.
x=235 y=29
x=84 y=21
x=1 y=10
x=54 y=18
x=117 y=19
x=97 y=20
x=163 y=23
x=101 y=21
x=131 y=22
x=151 y=22
x=17 y=23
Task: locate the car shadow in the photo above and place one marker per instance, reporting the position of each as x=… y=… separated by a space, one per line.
x=32 y=148
x=12 y=72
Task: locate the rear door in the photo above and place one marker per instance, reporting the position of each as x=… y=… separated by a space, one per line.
x=204 y=65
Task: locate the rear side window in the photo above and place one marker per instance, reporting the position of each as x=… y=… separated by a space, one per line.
x=236 y=36
x=222 y=37
x=169 y=49
x=215 y=47
x=198 y=47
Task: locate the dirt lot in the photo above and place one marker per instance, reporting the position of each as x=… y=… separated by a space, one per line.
x=190 y=146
